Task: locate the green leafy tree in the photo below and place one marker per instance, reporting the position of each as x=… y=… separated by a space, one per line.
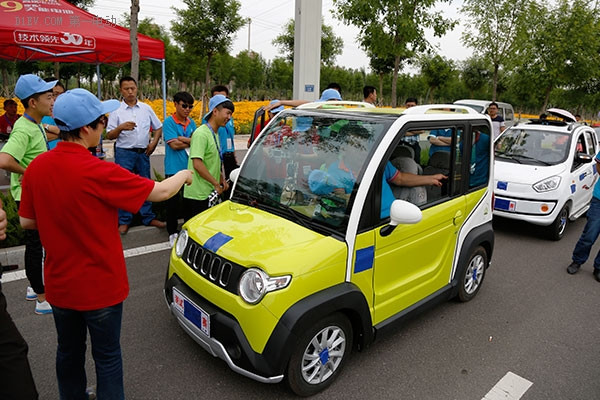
x=280 y=77
x=206 y=28
x=393 y=27
x=563 y=45
x=474 y=74
x=495 y=31
x=381 y=66
x=436 y=71
x=249 y=70
x=331 y=45
x=84 y=4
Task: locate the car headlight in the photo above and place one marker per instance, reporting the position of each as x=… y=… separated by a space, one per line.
x=255 y=283
x=182 y=240
x=547 y=185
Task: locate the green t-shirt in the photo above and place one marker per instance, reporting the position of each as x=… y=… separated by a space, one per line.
x=26 y=142
x=204 y=146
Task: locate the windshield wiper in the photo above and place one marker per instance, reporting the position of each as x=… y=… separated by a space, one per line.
x=503 y=154
x=531 y=159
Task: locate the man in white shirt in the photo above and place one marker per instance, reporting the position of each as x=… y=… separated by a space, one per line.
x=130 y=124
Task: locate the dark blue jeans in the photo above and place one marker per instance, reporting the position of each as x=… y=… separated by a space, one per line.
x=138 y=163
x=589 y=236
x=104 y=326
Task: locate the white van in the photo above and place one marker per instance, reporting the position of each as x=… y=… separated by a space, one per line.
x=505 y=110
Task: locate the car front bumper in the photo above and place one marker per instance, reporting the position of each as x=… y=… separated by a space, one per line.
x=226 y=341
x=538 y=212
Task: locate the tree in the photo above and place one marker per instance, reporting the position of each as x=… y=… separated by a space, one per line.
x=207 y=27
x=381 y=66
x=133 y=39
x=495 y=31
x=393 y=27
x=563 y=45
x=474 y=74
x=331 y=45
x=436 y=71
x=83 y=4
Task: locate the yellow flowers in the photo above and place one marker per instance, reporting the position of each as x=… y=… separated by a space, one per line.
x=244 y=112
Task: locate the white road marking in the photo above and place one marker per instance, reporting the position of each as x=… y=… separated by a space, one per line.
x=510 y=387
x=138 y=251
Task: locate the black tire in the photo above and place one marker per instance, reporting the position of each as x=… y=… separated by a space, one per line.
x=471 y=276
x=306 y=360
x=556 y=231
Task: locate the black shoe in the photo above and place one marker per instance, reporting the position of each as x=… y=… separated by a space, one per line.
x=597 y=274
x=573 y=268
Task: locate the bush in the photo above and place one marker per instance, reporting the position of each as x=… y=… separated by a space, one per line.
x=15 y=236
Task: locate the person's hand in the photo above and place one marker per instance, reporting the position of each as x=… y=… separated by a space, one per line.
x=150 y=149
x=219 y=189
x=225 y=186
x=269 y=107
x=127 y=126
x=3 y=222
x=437 y=179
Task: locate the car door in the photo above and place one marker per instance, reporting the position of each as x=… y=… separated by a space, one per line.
x=583 y=175
x=415 y=261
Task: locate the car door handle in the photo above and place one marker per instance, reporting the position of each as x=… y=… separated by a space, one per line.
x=457 y=217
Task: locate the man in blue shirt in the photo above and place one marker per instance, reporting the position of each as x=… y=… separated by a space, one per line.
x=177 y=134
x=226 y=139
x=590 y=233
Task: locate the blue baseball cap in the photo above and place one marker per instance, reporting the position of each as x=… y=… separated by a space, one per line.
x=28 y=85
x=78 y=107
x=215 y=101
x=330 y=94
x=276 y=109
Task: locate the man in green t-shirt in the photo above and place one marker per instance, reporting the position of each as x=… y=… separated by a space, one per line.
x=28 y=140
x=205 y=158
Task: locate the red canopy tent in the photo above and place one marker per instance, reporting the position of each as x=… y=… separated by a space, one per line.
x=54 y=30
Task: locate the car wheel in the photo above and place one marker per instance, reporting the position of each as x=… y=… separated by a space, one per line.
x=319 y=355
x=557 y=230
x=472 y=275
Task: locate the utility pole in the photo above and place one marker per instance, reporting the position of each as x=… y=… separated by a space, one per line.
x=307 y=49
x=249 y=23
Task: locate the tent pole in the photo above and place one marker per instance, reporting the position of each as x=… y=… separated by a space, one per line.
x=164 y=88
x=99 y=80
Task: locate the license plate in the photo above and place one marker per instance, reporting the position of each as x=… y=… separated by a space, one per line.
x=191 y=311
x=504 y=205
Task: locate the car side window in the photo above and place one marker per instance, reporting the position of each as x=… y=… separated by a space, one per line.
x=580 y=147
x=479 y=156
x=591 y=146
x=439 y=154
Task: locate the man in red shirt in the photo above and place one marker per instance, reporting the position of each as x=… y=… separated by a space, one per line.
x=9 y=118
x=85 y=274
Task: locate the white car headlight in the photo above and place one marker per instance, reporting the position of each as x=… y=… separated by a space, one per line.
x=255 y=283
x=547 y=184
x=182 y=240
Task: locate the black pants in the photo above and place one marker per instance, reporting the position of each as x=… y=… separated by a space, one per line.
x=194 y=207
x=34 y=259
x=174 y=210
x=16 y=381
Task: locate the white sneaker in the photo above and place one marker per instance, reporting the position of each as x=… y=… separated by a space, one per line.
x=43 y=308
x=31 y=295
x=172 y=239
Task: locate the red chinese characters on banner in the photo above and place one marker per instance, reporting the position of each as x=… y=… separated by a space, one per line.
x=67 y=39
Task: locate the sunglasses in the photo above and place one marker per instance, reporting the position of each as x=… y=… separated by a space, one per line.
x=186 y=106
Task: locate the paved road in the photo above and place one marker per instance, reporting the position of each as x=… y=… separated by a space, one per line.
x=530 y=318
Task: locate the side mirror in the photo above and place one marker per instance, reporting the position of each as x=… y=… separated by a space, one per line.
x=233 y=175
x=583 y=158
x=401 y=212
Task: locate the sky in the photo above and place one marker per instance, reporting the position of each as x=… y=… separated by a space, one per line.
x=268 y=18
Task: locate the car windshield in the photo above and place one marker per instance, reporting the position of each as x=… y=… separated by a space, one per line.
x=306 y=166
x=537 y=147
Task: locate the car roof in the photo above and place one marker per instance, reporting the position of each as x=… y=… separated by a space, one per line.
x=480 y=102
x=552 y=126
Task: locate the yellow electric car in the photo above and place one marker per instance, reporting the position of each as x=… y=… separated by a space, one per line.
x=344 y=219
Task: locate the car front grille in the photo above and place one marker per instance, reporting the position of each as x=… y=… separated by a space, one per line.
x=213 y=267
